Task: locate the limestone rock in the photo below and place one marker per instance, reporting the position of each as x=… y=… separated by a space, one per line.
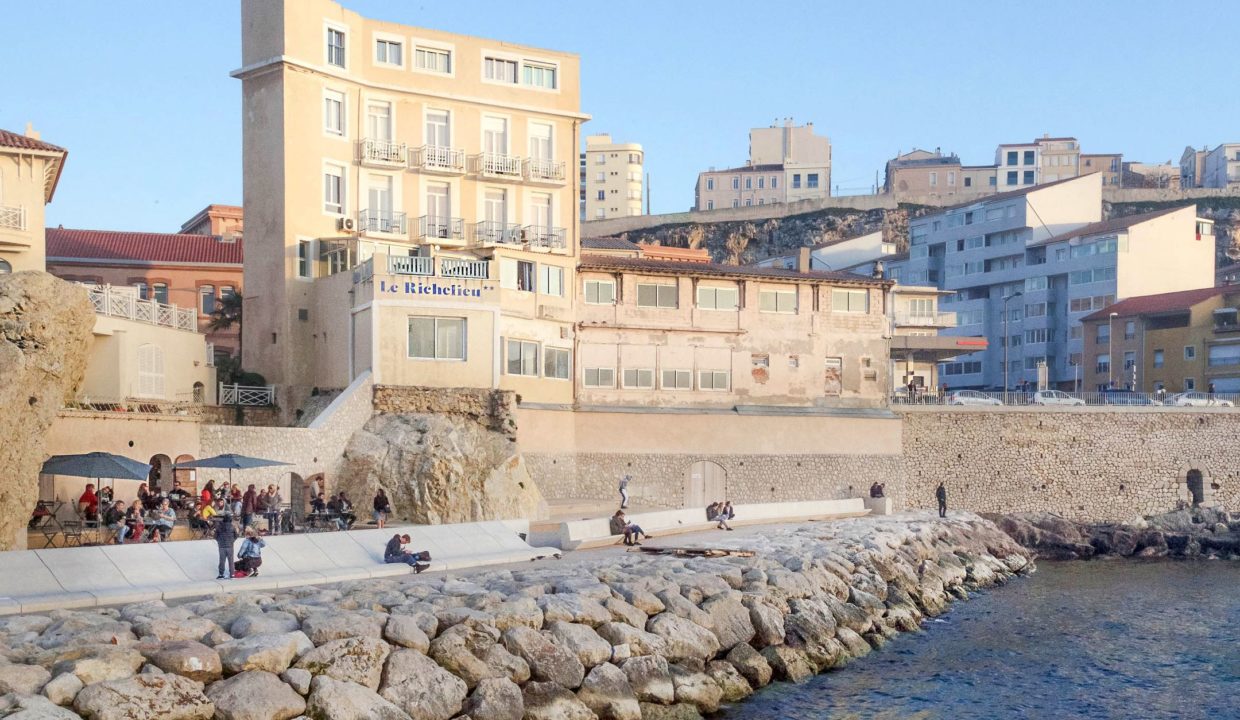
x=273 y=622
x=22 y=679
x=550 y=701
x=733 y=685
x=143 y=697
x=679 y=711
x=325 y=627
x=639 y=641
x=403 y=630
x=729 y=620
x=76 y=629
x=751 y=665
x=607 y=692
x=420 y=688
x=573 y=608
x=332 y=699
x=695 y=688
x=273 y=653
x=356 y=659
x=518 y=611
x=495 y=699
x=184 y=657
x=650 y=679
x=591 y=649
x=472 y=655
x=298 y=679
x=97 y=663
x=166 y=629
x=441 y=468
x=33 y=707
x=768 y=625
x=45 y=335
x=63 y=688
x=548 y=661
x=685 y=640
x=255 y=695
x=788 y=663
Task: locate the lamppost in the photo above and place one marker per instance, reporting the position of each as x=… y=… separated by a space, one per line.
x=1110 y=345
x=1007 y=339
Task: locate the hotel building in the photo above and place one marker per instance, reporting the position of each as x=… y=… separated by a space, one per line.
x=611 y=179
x=29 y=172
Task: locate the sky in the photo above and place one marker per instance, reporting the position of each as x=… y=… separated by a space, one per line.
x=140 y=95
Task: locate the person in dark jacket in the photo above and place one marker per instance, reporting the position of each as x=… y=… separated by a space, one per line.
x=382 y=507
x=249 y=506
x=114 y=519
x=395 y=552
x=632 y=532
x=225 y=536
x=940 y=494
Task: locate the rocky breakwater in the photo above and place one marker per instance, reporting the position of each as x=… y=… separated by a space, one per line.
x=613 y=636
x=1188 y=532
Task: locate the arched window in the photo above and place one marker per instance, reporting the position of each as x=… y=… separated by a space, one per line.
x=5 y=267
x=200 y=393
x=150 y=371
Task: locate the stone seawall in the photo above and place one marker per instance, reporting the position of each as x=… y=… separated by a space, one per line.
x=1082 y=463
x=618 y=636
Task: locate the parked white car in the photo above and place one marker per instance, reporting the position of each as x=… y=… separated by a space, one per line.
x=1055 y=397
x=972 y=397
x=1197 y=399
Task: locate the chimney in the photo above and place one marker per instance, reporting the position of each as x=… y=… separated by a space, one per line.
x=878 y=270
x=32 y=133
x=805 y=259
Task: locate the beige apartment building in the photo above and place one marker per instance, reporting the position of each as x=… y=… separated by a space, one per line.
x=611 y=178
x=408 y=204
x=1193 y=167
x=786 y=163
x=917 y=348
x=29 y=172
x=1221 y=167
x=1109 y=165
x=1046 y=159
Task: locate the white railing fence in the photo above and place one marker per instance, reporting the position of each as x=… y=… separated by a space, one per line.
x=407 y=265
x=255 y=395
x=540 y=169
x=469 y=269
x=13 y=217
x=438 y=157
x=124 y=302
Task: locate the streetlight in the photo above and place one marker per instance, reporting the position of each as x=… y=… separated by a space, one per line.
x=1110 y=345
x=1007 y=339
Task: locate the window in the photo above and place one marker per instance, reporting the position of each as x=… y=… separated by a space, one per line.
x=379 y=120
x=853 y=301
x=951 y=179
x=1223 y=355
x=735 y=202
x=1012 y=157
x=777 y=301
x=1190 y=384
x=438 y=128
x=1028 y=177
x=1130 y=359
x=1011 y=177
x=1035 y=310
x=748 y=183
x=150 y=371
x=500 y=70
x=968 y=182
x=796 y=180
x=538 y=75
x=811 y=180
x=333 y=189
x=600 y=159
x=677 y=380
x=1082 y=277
x=516 y=275
x=144 y=292
x=1130 y=329
x=1190 y=352
x=1035 y=283
x=304 y=268
x=774 y=182
x=934 y=179
x=159 y=293
x=206 y=299
x=333 y=112
x=1028 y=157
x=992 y=180
x=1159 y=358
x=602 y=195
x=556 y=363
x=713 y=380
x=433 y=60
x=1103 y=333
x=635 y=158
x=599 y=377
x=522 y=358
x=736 y=183
x=749 y=203
x=641 y=378
x=662 y=296
x=540 y=135
x=390 y=52
x=961 y=368
x=1035 y=336
x=710 y=204
x=717 y=298
x=552 y=280
x=600 y=292
x=761 y=183
x=710 y=183
x=1102 y=363
x=437 y=338
x=335 y=47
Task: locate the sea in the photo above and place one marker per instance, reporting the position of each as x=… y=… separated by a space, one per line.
x=1131 y=639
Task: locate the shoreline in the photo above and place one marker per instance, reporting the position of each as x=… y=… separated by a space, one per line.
x=608 y=635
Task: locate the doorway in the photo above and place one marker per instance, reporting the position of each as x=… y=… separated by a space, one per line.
x=1196 y=486
x=705 y=482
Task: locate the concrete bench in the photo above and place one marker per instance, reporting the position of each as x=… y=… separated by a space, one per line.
x=42 y=580
x=596 y=532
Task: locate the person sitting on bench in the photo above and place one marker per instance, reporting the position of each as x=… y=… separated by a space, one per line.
x=250 y=556
x=165 y=520
x=395 y=552
x=620 y=525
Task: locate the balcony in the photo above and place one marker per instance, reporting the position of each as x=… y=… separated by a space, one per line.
x=381 y=153
x=544 y=171
x=437 y=159
x=931 y=319
x=12 y=217
x=497 y=166
x=465 y=269
x=496 y=233
x=449 y=230
x=409 y=265
x=548 y=238
x=371 y=222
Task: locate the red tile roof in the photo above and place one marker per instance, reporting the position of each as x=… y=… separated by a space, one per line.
x=610 y=263
x=140 y=247
x=1161 y=303
x=14 y=140
x=1107 y=226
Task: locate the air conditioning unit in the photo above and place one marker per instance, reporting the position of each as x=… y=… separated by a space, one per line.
x=346 y=224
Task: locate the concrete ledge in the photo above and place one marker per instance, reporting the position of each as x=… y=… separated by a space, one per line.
x=58 y=601
x=879 y=505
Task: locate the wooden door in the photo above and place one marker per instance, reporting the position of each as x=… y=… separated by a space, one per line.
x=705 y=482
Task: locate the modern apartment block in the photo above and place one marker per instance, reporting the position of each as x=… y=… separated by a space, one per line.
x=1177 y=342
x=1045 y=160
x=611 y=178
x=29 y=172
x=786 y=163
x=409 y=204
x=1221 y=167
x=1024 y=267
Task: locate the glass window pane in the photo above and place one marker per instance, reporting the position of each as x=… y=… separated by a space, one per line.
x=422 y=337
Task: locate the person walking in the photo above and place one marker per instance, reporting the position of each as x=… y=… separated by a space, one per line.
x=382 y=508
x=624 y=491
x=225 y=536
x=272 y=508
x=249 y=506
x=250 y=556
x=940 y=494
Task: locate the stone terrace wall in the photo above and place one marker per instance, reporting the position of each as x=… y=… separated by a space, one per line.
x=491 y=408
x=1085 y=464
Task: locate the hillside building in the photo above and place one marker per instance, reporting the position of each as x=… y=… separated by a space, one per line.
x=611 y=179
x=786 y=163
x=1221 y=167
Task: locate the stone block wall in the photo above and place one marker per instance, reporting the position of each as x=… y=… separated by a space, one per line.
x=491 y=408
x=1085 y=464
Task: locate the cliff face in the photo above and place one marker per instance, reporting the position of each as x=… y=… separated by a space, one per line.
x=45 y=330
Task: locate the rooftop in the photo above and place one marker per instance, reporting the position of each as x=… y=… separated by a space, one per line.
x=1162 y=303
x=25 y=142
x=747 y=168
x=608 y=243
x=1107 y=226
x=1009 y=194
x=700 y=269
x=144 y=248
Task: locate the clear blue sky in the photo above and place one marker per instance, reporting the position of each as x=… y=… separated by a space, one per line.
x=140 y=95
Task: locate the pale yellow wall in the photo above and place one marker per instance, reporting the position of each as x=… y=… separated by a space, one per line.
x=22 y=187
x=1164 y=255
x=1060 y=208
x=622 y=180
x=112 y=366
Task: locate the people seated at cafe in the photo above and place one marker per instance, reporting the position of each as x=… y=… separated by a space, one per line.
x=207 y=496
x=318 y=504
x=145 y=497
x=88 y=504
x=179 y=496
x=200 y=519
x=114 y=519
x=343 y=509
x=134 y=524
x=163 y=520
x=105 y=496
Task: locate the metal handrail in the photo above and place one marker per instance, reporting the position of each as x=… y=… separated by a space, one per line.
x=384 y=152
x=467 y=269
x=542 y=169
x=411 y=265
x=499 y=165
x=124 y=303
x=438 y=157
x=439 y=228
x=392 y=223
x=540 y=236
x=248 y=395
x=491 y=231
x=931 y=319
x=1116 y=398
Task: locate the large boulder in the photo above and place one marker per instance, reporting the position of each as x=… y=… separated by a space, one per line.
x=22 y=679
x=145 y=697
x=332 y=699
x=686 y=640
x=591 y=649
x=473 y=654
x=45 y=335
x=33 y=707
x=548 y=661
x=550 y=701
x=606 y=691
x=273 y=653
x=496 y=699
x=442 y=467
x=184 y=657
x=356 y=659
x=420 y=688
x=255 y=695
x=97 y=663
x=650 y=678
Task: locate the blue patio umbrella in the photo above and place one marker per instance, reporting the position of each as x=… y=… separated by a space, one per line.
x=230 y=462
x=96 y=465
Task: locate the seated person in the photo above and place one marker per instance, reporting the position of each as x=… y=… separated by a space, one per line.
x=318 y=504
x=250 y=556
x=105 y=496
x=114 y=519
x=712 y=510
x=876 y=490
x=620 y=525
x=178 y=495
x=346 y=509
x=200 y=519
x=88 y=503
x=165 y=518
x=395 y=552
x=134 y=525
x=726 y=513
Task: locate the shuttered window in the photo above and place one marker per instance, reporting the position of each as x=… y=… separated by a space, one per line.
x=150 y=371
